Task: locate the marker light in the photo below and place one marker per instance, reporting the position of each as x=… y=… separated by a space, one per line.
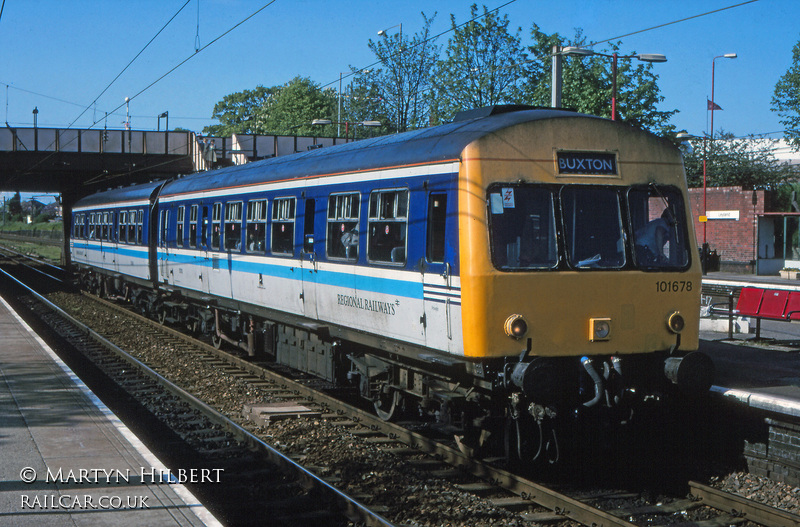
x=676 y=322
x=515 y=326
x=599 y=329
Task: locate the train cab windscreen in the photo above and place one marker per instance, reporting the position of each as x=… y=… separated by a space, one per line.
x=601 y=227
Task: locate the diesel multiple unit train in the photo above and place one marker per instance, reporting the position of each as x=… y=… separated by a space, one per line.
x=505 y=275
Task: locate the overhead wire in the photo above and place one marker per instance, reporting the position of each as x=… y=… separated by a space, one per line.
x=235 y=26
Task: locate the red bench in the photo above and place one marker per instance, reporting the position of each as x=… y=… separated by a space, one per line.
x=770 y=304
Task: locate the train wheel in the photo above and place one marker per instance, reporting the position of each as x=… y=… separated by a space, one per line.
x=387 y=404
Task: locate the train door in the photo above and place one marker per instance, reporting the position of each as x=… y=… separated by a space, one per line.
x=204 y=260
x=308 y=259
x=163 y=247
x=441 y=294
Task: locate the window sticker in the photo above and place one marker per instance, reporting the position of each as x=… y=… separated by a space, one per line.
x=508 y=198
x=496 y=202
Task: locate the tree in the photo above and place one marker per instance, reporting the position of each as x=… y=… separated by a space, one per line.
x=279 y=110
x=293 y=108
x=735 y=161
x=587 y=84
x=483 y=62
x=237 y=112
x=15 y=207
x=786 y=100
x=403 y=83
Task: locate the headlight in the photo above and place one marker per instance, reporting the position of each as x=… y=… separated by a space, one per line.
x=515 y=326
x=676 y=322
x=599 y=329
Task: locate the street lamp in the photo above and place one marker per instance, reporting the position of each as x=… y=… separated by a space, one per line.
x=339 y=116
x=166 y=127
x=383 y=33
x=711 y=107
x=644 y=57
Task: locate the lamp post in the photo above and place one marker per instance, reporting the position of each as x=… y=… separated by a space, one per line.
x=705 y=159
x=166 y=126
x=644 y=57
x=383 y=33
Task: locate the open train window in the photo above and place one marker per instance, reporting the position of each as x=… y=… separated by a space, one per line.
x=659 y=228
x=193 y=227
x=216 y=220
x=180 y=227
x=593 y=227
x=343 y=212
x=233 y=226
x=522 y=228
x=256 y=226
x=283 y=213
x=387 y=225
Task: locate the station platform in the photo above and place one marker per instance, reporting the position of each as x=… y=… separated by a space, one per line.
x=764 y=373
x=65 y=458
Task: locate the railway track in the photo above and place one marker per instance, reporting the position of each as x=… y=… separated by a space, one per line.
x=525 y=500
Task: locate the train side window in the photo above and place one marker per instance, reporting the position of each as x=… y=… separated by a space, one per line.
x=179 y=228
x=283 y=215
x=104 y=226
x=437 y=210
x=387 y=225
x=91 y=226
x=593 y=227
x=233 y=226
x=343 y=212
x=139 y=222
x=163 y=228
x=256 y=226
x=122 y=231
x=216 y=219
x=193 y=227
x=522 y=233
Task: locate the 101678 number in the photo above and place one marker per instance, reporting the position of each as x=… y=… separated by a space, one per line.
x=674 y=286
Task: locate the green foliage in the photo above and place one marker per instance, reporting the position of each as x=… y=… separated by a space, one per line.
x=403 y=82
x=294 y=107
x=482 y=65
x=732 y=161
x=15 y=206
x=786 y=100
x=237 y=112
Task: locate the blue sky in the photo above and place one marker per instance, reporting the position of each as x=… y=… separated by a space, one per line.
x=59 y=56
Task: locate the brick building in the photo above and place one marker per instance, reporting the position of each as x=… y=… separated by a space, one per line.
x=744 y=231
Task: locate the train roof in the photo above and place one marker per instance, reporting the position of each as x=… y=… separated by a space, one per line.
x=131 y=194
x=428 y=145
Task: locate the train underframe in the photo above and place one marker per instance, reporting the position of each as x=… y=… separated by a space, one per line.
x=528 y=408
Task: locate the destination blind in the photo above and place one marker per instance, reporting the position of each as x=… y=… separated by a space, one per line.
x=587 y=163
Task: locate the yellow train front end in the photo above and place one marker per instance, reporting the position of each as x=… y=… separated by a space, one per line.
x=579 y=264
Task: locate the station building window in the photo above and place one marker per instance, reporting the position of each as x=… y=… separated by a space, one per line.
x=343 y=212
x=283 y=216
x=256 y=226
x=387 y=226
